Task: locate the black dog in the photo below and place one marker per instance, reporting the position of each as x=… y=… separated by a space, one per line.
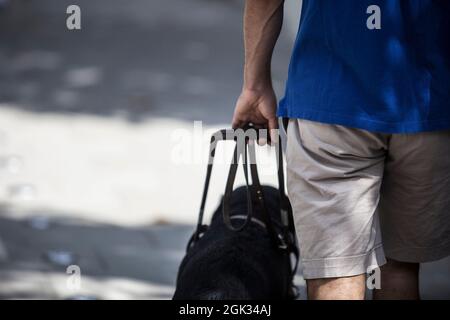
x=245 y=265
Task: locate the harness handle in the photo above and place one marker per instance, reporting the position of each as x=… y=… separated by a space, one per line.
x=284 y=240
x=243 y=146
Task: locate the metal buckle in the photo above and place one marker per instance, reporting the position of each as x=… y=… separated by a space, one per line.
x=282 y=243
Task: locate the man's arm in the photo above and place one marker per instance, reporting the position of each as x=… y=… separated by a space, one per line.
x=257 y=103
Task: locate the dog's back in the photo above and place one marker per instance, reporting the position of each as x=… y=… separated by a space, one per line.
x=225 y=265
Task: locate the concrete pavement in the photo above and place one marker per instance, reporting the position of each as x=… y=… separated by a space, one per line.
x=94 y=126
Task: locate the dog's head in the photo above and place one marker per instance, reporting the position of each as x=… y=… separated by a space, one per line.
x=238 y=203
x=226 y=265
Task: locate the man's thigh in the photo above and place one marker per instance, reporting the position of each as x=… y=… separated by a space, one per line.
x=415 y=197
x=334 y=178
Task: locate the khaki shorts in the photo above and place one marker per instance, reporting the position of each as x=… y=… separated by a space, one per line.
x=359 y=197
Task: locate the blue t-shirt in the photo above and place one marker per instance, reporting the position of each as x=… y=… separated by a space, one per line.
x=385 y=70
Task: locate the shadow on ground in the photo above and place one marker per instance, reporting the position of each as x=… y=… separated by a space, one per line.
x=136 y=250
x=136 y=60
x=116 y=262
x=36 y=252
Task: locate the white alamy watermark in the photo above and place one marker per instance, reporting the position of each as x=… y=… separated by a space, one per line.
x=192 y=145
x=73 y=281
x=374 y=20
x=73 y=21
x=373 y=280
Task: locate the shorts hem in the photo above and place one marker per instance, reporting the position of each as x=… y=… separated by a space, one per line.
x=338 y=267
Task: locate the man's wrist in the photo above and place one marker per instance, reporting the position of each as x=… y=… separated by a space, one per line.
x=257 y=85
x=257 y=89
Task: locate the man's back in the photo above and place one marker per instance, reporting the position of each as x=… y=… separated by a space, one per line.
x=376 y=65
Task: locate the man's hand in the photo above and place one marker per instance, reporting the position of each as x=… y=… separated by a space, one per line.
x=258 y=108
x=257 y=103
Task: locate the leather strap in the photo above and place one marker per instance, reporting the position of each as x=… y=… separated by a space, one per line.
x=256 y=191
x=239 y=152
x=285 y=240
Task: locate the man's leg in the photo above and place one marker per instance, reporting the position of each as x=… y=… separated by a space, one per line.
x=348 y=288
x=399 y=281
x=334 y=178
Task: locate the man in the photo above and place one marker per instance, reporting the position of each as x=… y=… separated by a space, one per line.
x=368 y=151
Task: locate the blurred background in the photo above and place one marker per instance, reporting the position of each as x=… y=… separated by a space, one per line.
x=103 y=140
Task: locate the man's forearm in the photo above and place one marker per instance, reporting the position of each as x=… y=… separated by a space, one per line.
x=263 y=20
